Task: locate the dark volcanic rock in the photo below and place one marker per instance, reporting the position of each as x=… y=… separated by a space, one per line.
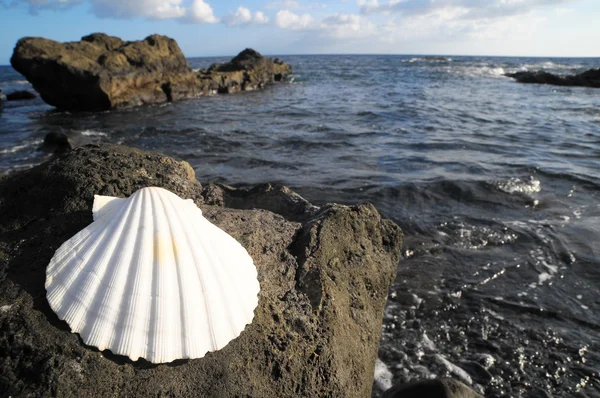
x=324 y=282
x=589 y=78
x=57 y=142
x=438 y=388
x=103 y=72
x=20 y=95
x=477 y=372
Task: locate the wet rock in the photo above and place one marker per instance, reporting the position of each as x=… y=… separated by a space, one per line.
x=538 y=393
x=276 y=198
x=477 y=372
x=485 y=360
x=324 y=282
x=57 y=142
x=452 y=368
x=438 y=388
x=406 y=298
x=589 y=78
x=20 y=95
x=104 y=72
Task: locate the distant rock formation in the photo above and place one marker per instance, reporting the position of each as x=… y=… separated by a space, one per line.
x=104 y=72
x=589 y=78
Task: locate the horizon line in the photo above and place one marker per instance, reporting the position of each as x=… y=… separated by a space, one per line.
x=393 y=54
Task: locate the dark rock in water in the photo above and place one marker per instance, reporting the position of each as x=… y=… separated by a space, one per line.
x=104 y=72
x=589 y=78
x=477 y=372
x=538 y=393
x=57 y=142
x=438 y=388
x=324 y=282
x=20 y=95
x=485 y=360
x=276 y=198
x=438 y=59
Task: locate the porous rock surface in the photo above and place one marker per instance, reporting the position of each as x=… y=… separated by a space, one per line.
x=589 y=78
x=324 y=275
x=102 y=72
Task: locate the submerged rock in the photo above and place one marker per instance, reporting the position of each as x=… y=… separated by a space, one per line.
x=589 y=78
x=20 y=95
x=57 y=142
x=104 y=72
x=437 y=388
x=324 y=275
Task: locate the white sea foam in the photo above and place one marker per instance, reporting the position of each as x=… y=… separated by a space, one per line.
x=383 y=376
x=5 y=308
x=91 y=133
x=483 y=70
x=549 y=65
x=521 y=186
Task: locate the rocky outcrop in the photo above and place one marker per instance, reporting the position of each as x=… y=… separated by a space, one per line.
x=324 y=275
x=589 y=78
x=20 y=95
x=104 y=72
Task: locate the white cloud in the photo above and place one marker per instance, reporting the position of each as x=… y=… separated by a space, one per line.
x=285 y=19
x=287 y=4
x=37 y=5
x=202 y=12
x=476 y=9
x=151 y=9
x=344 y=26
x=260 y=18
x=244 y=16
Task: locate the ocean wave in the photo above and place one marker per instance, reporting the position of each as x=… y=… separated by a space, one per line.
x=21 y=147
x=428 y=59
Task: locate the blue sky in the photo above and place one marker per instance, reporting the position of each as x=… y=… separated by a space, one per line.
x=211 y=27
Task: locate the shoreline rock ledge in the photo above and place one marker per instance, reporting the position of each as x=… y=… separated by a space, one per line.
x=324 y=274
x=102 y=72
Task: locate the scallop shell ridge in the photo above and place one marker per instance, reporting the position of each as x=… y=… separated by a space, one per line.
x=152 y=278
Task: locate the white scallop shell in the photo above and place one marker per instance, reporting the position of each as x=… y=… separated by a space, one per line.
x=152 y=278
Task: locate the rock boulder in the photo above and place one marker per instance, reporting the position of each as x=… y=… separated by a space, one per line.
x=104 y=72
x=589 y=78
x=324 y=274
